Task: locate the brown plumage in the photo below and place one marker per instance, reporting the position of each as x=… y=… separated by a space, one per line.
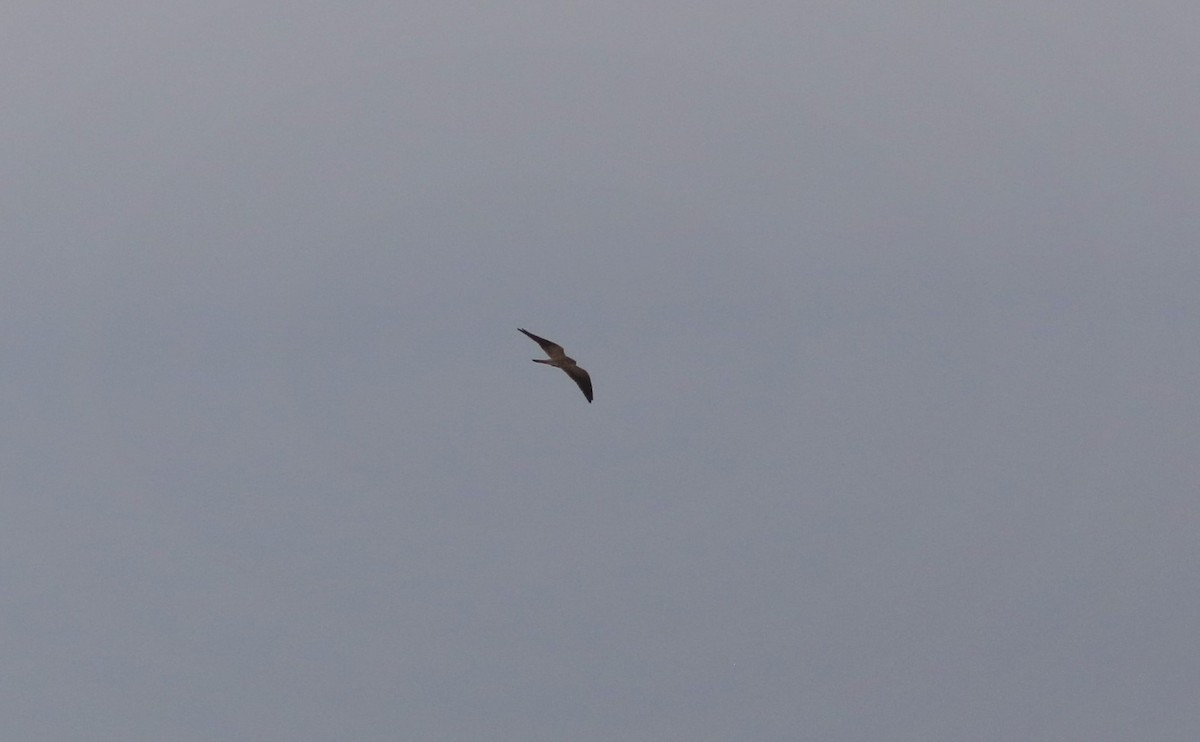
x=559 y=359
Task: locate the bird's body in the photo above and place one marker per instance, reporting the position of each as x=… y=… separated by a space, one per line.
x=559 y=359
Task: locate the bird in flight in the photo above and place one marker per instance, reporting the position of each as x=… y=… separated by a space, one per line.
x=559 y=359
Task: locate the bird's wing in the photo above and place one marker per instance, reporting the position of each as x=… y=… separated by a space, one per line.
x=554 y=350
x=582 y=379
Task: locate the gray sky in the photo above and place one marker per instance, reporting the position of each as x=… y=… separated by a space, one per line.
x=891 y=311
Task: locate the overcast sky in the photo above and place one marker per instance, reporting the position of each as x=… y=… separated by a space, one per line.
x=891 y=310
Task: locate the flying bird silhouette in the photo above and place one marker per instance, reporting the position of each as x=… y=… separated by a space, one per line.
x=559 y=359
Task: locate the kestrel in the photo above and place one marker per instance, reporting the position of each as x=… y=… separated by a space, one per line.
x=559 y=359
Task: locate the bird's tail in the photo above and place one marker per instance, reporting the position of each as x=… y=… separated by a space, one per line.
x=541 y=360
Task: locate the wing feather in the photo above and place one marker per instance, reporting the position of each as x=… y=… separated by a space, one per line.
x=554 y=350
x=582 y=379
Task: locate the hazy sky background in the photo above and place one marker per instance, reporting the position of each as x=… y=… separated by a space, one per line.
x=891 y=309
